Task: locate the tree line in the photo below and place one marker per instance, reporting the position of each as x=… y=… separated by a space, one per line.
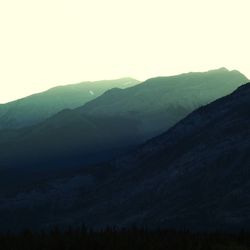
x=123 y=239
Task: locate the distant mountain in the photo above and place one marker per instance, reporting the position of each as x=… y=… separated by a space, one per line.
x=38 y=107
x=161 y=102
x=196 y=175
x=115 y=122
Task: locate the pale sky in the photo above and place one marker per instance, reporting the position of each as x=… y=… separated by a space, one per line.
x=44 y=43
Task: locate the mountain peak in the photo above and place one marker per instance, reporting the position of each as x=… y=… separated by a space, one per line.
x=221 y=69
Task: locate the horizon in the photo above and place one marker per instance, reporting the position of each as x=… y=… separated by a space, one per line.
x=51 y=43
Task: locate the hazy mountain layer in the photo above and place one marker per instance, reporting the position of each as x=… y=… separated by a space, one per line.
x=161 y=102
x=114 y=122
x=68 y=138
x=38 y=107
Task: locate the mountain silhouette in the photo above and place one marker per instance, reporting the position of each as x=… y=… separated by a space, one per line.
x=38 y=107
x=161 y=102
x=115 y=122
x=195 y=175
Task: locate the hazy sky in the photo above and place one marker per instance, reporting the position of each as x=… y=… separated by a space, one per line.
x=45 y=43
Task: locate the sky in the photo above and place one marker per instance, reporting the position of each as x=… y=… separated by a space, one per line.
x=45 y=43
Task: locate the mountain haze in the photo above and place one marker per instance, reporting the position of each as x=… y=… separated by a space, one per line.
x=161 y=102
x=38 y=107
x=115 y=122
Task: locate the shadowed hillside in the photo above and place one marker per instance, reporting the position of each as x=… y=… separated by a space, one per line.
x=161 y=102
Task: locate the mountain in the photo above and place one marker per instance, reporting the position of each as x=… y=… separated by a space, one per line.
x=161 y=102
x=38 y=107
x=115 y=122
x=196 y=175
x=67 y=138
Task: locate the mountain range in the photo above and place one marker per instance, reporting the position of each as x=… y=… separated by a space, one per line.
x=161 y=102
x=194 y=175
x=36 y=108
x=115 y=122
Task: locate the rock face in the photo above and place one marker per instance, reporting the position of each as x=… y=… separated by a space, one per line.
x=196 y=175
x=36 y=108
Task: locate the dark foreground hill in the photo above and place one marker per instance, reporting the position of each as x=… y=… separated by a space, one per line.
x=38 y=107
x=114 y=122
x=196 y=175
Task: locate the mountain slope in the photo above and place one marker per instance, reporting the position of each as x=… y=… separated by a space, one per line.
x=67 y=138
x=161 y=102
x=196 y=175
x=38 y=107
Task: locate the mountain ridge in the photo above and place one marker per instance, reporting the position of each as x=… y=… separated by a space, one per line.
x=35 y=108
x=151 y=99
x=124 y=117
x=196 y=175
